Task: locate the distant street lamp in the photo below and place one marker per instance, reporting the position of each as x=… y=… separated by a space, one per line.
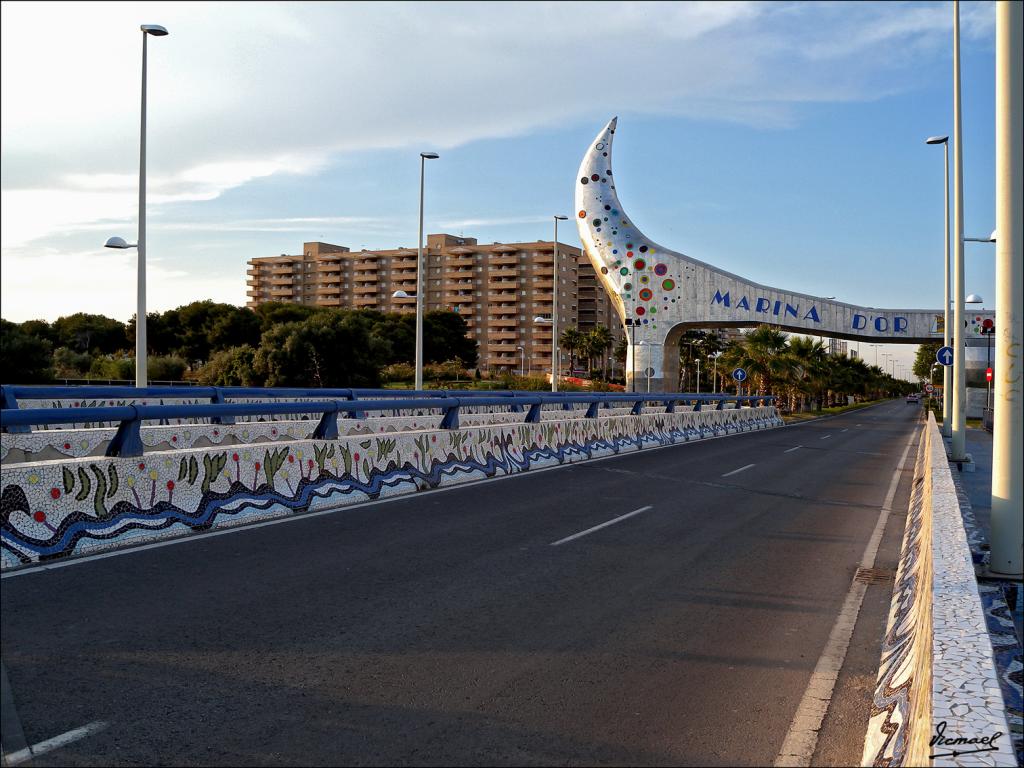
x=420 y=283
x=947 y=373
x=554 y=310
x=540 y=320
x=522 y=364
x=141 y=352
x=632 y=324
x=714 y=375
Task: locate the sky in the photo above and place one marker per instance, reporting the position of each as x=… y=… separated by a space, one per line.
x=781 y=141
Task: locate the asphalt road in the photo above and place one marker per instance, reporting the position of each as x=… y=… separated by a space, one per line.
x=446 y=629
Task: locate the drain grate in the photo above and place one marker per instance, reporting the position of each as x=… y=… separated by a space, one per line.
x=875 y=575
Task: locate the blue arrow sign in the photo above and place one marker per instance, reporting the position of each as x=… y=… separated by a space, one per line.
x=739 y=374
x=945 y=355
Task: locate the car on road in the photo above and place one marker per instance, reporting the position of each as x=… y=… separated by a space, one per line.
x=913 y=398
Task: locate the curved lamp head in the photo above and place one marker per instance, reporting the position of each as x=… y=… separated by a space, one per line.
x=562 y=218
x=119 y=242
x=974 y=299
x=429 y=155
x=403 y=295
x=936 y=140
x=154 y=29
x=542 y=320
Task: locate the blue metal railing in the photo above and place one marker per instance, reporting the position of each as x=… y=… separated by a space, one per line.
x=127 y=441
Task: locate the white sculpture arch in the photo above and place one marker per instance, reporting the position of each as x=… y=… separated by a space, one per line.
x=665 y=292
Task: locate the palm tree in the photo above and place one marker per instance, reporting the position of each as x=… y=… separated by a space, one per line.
x=571 y=340
x=601 y=340
x=810 y=361
x=763 y=354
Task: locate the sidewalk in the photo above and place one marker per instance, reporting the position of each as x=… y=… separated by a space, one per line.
x=1002 y=600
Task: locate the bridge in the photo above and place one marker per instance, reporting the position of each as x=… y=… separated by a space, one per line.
x=223 y=575
x=659 y=293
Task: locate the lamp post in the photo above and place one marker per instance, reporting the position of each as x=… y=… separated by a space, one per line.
x=420 y=282
x=554 y=309
x=141 y=351
x=522 y=363
x=959 y=410
x=632 y=351
x=947 y=372
x=714 y=375
x=547 y=321
x=1008 y=416
x=876 y=346
x=698 y=375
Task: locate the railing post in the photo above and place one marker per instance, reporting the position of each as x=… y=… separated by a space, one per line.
x=127 y=441
x=218 y=399
x=696 y=405
x=638 y=408
x=451 y=417
x=327 y=428
x=592 y=410
x=8 y=400
x=720 y=405
x=533 y=415
x=670 y=406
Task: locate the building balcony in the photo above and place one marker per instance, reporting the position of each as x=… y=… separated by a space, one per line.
x=504 y=336
x=365 y=277
x=492 y=348
x=503 y=259
x=460 y=261
x=509 y=285
x=501 y=322
x=332 y=267
x=329 y=301
x=280 y=291
x=454 y=299
x=364 y=301
x=364 y=290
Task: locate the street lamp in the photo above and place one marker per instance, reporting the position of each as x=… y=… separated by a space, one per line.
x=420 y=283
x=141 y=374
x=522 y=363
x=540 y=320
x=876 y=346
x=698 y=375
x=959 y=409
x=714 y=375
x=554 y=310
x=947 y=373
x=631 y=324
x=990 y=239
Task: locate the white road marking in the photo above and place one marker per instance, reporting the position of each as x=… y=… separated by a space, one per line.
x=844 y=430
x=737 y=471
x=23 y=755
x=802 y=738
x=605 y=524
x=826 y=437
x=794 y=448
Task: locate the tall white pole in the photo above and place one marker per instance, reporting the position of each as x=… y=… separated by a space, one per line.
x=141 y=374
x=698 y=374
x=420 y=290
x=947 y=373
x=959 y=416
x=1008 y=423
x=554 y=315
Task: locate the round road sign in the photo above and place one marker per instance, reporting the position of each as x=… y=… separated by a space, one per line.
x=739 y=374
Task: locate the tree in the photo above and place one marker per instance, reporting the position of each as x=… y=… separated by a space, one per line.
x=571 y=340
x=809 y=357
x=329 y=349
x=444 y=338
x=601 y=339
x=273 y=313
x=762 y=353
x=240 y=327
x=924 y=359
x=24 y=359
x=90 y=333
x=234 y=367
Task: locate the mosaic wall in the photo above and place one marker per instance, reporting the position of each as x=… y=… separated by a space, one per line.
x=906 y=657
x=937 y=682
x=53 y=509
x=92 y=441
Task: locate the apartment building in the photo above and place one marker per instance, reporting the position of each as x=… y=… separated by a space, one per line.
x=500 y=289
